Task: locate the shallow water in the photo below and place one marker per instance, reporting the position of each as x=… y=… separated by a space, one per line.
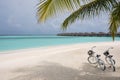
x=23 y=42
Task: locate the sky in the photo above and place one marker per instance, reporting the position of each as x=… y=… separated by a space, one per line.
x=19 y=17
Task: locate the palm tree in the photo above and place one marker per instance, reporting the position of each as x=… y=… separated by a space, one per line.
x=88 y=9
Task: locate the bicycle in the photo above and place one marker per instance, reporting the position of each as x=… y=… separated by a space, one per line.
x=109 y=59
x=92 y=59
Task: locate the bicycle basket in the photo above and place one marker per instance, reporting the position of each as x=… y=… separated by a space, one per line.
x=90 y=52
x=106 y=53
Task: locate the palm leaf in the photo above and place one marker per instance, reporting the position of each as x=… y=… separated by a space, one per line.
x=115 y=20
x=48 y=8
x=91 y=9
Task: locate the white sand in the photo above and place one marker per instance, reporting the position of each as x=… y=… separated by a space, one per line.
x=66 y=62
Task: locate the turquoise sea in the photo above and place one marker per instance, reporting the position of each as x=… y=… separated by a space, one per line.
x=22 y=42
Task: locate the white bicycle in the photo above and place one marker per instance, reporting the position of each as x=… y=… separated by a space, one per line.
x=109 y=59
x=95 y=59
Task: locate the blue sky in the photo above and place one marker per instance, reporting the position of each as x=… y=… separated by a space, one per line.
x=19 y=17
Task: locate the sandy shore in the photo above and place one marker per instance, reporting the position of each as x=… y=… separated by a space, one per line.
x=66 y=62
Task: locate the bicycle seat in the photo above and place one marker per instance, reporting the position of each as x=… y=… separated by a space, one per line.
x=98 y=55
x=110 y=56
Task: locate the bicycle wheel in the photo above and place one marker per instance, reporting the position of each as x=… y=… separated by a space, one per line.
x=113 y=65
x=110 y=61
x=113 y=68
x=92 y=60
x=101 y=64
x=113 y=61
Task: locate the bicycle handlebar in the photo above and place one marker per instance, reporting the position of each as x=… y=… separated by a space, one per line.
x=93 y=47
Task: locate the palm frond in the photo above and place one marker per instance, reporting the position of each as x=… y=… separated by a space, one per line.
x=48 y=8
x=115 y=20
x=91 y=9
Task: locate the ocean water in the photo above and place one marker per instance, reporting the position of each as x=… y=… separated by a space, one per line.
x=22 y=42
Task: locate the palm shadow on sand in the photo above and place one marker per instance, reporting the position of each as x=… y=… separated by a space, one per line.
x=54 y=71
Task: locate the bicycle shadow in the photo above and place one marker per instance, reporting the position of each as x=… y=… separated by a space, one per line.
x=93 y=69
x=55 y=71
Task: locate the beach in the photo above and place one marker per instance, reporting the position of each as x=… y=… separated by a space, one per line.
x=63 y=62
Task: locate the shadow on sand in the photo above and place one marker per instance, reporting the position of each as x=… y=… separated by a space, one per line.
x=54 y=71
